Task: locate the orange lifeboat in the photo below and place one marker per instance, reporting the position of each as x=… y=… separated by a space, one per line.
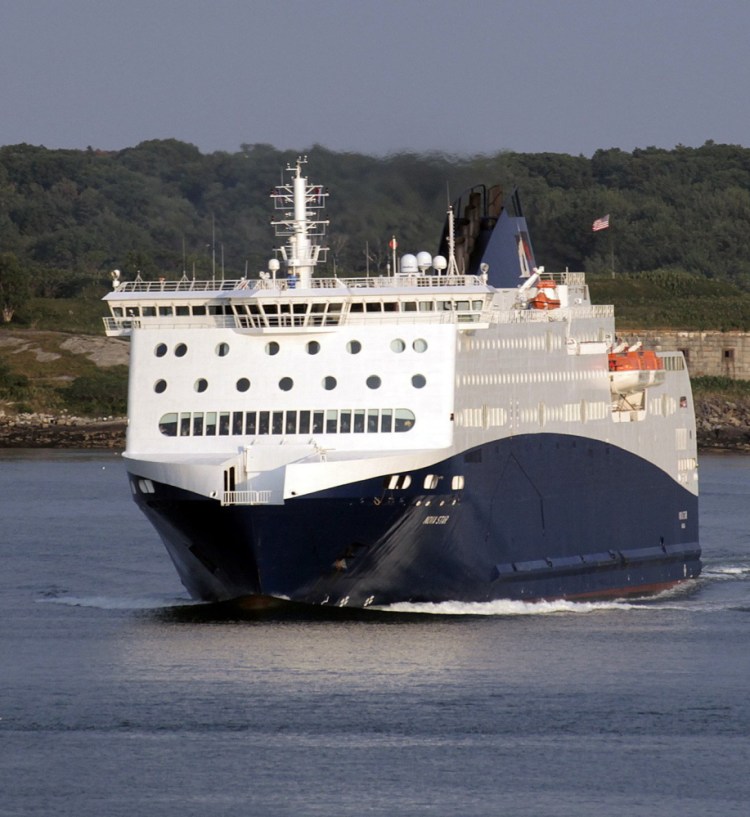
x=634 y=370
x=546 y=296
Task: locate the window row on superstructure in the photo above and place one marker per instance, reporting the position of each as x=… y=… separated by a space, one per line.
x=294 y=312
x=313 y=347
x=329 y=383
x=313 y=421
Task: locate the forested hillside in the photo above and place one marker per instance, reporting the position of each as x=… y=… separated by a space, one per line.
x=67 y=218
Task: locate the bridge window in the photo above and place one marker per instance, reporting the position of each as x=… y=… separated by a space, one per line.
x=278 y=422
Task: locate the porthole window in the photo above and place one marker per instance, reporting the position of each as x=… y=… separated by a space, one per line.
x=160 y=350
x=222 y=349
x=180 y=350
x=201 y=384
x=419 y=381
x=373 y=382
x=354 y=347
x=397 y=345
x=272 y=348
x=160 y=386
x=420 y=345
x=286 y=383
x=243 y=384
x=313 y=347
x=329 y=383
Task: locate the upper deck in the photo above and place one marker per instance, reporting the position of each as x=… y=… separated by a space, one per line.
x=266 y=304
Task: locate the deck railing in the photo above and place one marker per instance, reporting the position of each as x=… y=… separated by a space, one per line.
x=286 y=284
x=246 y=498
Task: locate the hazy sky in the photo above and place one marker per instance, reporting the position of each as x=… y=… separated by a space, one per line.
x=461 y=76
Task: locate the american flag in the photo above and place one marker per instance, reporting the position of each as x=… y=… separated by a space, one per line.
x=601 y=223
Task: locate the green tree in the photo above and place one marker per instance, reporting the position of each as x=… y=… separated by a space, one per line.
x=14 y=286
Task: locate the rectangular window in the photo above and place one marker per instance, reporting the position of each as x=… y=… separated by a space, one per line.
x=210 y=423
x=250 y=424
x=318 y=422
x=359 y=421
x=199 y=309
x=332 y=417
x=264 y=422
x=290 y=424
x=237 y=418
x=185 y=424
x=357 y=307
x=304 y=422
x=224 y=423
x=148 y=312
x=386 y=420
x=426 y=306
x=373 y=416
x=346 y=422
x=165 y=310
x=409 y=306
x=117 y=311
x=371 y=307
x=182 y=310
x=198 y=424
x=277 y=422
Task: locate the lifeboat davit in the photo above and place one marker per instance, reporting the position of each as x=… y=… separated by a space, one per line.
x=634 y=370
x=546 y=296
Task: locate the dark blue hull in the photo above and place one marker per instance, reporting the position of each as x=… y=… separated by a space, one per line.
x=539 y=517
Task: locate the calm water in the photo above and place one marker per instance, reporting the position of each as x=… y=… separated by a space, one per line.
x=119 y=697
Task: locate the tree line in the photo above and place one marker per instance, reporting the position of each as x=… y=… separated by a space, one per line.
x=68 y=217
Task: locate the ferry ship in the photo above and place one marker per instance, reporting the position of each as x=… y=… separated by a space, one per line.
x=464 y=428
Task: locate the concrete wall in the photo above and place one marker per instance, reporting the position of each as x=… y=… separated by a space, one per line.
x=724 y=354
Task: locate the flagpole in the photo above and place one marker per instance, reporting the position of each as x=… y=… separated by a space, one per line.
x=603 y=224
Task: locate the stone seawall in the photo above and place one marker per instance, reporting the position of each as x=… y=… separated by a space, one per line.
x=716 y=354
x=721 y=424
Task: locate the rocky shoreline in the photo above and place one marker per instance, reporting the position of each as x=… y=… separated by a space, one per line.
x=49 y=431
x=722 y=424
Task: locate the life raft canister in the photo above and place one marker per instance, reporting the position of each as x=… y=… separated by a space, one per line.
x=546 y=296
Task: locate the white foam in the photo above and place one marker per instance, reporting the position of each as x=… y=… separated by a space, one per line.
x=726 y=571
x=504 y=607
